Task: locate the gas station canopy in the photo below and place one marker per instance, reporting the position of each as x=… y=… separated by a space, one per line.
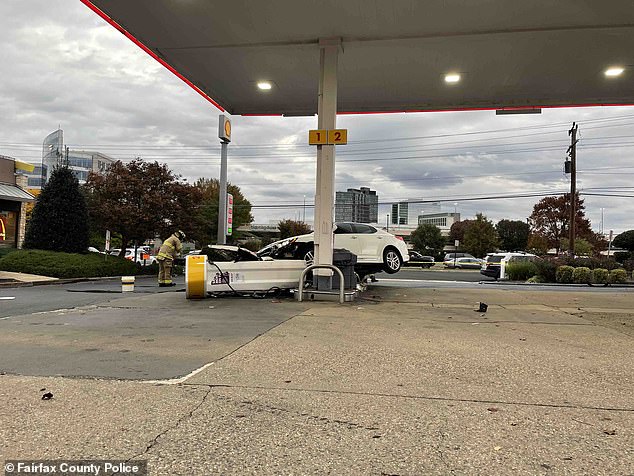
x=395 y=54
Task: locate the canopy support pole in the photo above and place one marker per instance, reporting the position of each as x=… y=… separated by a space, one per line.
x=325 y=182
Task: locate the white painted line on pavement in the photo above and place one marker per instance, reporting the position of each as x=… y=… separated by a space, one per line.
x=6 y=298
x=176 y=381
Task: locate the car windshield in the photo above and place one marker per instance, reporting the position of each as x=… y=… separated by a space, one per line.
x=495 y=258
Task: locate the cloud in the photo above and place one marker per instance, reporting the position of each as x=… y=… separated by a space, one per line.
x=65 y=66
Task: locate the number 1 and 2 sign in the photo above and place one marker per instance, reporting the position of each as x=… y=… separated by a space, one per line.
x=332 y=137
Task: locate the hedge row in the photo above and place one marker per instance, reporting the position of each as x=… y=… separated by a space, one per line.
x=70 y=265
x=585 y=275
x=543 y=271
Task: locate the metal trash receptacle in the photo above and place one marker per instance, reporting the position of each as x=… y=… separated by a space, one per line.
x=345 y=261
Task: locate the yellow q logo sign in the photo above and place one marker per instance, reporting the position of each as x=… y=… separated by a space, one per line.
x=3 y=233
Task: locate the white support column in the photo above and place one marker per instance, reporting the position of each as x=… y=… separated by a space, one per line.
x=325 y=185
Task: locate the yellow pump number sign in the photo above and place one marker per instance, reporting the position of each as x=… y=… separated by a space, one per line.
x=332 y=137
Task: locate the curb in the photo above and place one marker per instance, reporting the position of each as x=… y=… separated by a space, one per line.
x=560 y=285
x=22 y=284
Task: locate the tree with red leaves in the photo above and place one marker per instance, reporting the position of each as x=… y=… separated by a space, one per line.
x=140 y=200
x=551 y=220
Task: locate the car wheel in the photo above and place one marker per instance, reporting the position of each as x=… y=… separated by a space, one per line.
x=392 y=261
x=309 y=257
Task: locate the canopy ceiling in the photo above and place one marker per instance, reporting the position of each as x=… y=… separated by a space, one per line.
x=395 y=53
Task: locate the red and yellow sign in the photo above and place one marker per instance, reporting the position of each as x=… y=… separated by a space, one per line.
x=3 y=230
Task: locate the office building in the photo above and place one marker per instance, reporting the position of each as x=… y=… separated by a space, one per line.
x=441 y=220
x=407 y=211
x=357 y=205
x=81 y=162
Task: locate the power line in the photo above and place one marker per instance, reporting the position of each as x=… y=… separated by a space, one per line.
x=391 y=139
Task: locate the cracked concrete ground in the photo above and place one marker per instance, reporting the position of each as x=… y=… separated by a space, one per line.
x=404 y=382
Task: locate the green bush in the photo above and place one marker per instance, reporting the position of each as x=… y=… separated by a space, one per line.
x=534 y=280
x=252 y=245
x=521 y=271
x=564 y=274
x=617 y=276
x=600 y=276
x=5 y=250
x=592 y=263
x=582 y=275
x=547 y=269
x=66 y=265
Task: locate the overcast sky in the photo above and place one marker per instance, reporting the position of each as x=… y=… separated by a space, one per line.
x=63 y=66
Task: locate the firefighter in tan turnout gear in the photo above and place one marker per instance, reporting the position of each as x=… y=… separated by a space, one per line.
x=170 y=249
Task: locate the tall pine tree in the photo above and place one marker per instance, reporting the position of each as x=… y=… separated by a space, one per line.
x=60 y=218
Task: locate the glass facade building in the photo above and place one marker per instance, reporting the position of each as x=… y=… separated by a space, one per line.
x=407 y=212
x=81 y=162
x=52 y=153
x=357 y=205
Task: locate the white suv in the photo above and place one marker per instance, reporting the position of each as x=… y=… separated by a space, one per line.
x=495 y=263
x=376 y=250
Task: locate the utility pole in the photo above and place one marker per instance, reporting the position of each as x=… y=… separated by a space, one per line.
x=572 y=150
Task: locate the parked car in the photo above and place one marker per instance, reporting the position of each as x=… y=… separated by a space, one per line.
x=417 y=259
x=492 y=266
x=376 y=250
x=143 y=257
x=451 y=256
x=463 y=263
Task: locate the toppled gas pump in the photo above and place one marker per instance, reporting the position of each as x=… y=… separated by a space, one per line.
x=204 y=277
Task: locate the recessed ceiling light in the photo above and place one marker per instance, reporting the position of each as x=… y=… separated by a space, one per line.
x=264 y=85
x=614 y=71
x=452 y=78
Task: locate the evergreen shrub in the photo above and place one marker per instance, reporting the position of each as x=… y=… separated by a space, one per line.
x=582 y=275
x=617 y=276
x=600 y=276
x=564 y=274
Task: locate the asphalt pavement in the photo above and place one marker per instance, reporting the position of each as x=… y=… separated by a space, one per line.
x=404 y=381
